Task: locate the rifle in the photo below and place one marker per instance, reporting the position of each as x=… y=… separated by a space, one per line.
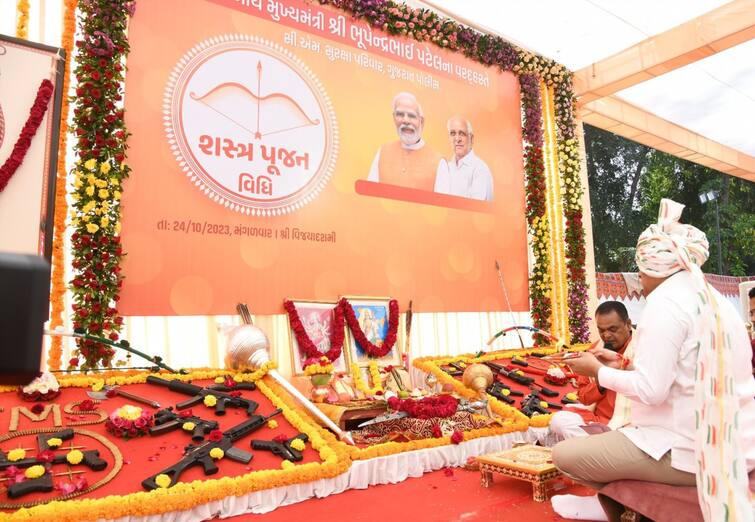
x=199 y=393
x=542 y=389
x=194 y=455
x=282 y=449
x=167 y=420
x=501 y=370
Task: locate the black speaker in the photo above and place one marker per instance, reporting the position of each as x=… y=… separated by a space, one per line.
x=24 y=308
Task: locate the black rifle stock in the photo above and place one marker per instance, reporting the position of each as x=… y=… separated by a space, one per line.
x=501 y=370
x=223 y=399
x=166 y=420
x=200 y=455
x=282 y=449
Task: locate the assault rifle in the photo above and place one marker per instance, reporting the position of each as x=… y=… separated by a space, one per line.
x=223 y=399
x=167 y=420
x=196 y=455
x=282 y=449
x=501 y=370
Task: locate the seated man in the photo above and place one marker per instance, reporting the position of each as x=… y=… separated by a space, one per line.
x=615 y=330
x=690 y=388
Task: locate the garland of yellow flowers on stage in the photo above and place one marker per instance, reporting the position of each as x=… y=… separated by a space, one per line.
x=58 y=286
x=98 y=175
x=374 y=371
x=22 y=19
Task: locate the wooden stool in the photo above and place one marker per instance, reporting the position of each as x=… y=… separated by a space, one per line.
x=527 y=462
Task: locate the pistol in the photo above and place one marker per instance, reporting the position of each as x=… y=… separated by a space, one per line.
x=282 y=449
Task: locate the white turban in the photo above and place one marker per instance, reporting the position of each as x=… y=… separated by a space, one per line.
x=669 y=246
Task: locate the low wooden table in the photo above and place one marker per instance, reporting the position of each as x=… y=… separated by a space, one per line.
x=527 y=462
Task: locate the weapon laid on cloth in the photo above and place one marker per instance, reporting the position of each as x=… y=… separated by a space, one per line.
x=42 y=484
x=532 y=404
x=452 y=371
x=102 y=395
x=167 y=420
x=542 y=389
x=501 y=370
x=196 y=455
x=508 y=303
x=199 y=393
x=282 y=449
x=498 y=390
x=91 y=460
x=42 y=439
x=396 y=415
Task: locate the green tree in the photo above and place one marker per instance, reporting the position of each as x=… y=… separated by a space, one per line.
x=627 y=182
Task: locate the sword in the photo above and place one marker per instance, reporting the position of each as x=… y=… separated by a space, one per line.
x=384 y=418
x=508 y=303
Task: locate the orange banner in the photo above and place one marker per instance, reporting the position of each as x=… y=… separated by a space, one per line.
x=281 y=149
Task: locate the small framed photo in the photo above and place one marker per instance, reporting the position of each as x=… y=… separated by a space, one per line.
x=317 y=318
x=373 y=316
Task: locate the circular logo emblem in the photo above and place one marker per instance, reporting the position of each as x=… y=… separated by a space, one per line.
x=250 y=125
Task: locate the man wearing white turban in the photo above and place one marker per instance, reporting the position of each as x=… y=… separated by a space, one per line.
x=691 y=388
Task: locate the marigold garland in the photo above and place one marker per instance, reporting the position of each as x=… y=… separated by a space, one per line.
x=371 y=349
x=377 y=383
x=99 y=173
x=303 y=340
x=22 y=19
x=57 y=281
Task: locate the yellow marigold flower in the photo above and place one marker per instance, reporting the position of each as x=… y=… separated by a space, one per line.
x=219 y=380
x=210 y=400
x=105 y=168
x=101 y=183
x=35 y=471
x=189 y=426
x=162 y=480
x=287 y=464
x=91 y=179
x=105 y=221
x=89 y=190
x=103 y=194
x=114 y=181
x=571 y=396
x=97 y=386
x=217 y=453
x=88 y=207
x=506 y=391
x=543 y=404
x=118 y=227
x=298 y=444
x=85 y=219
x=90 y=164
x=74 y=457
x=272 y=424
x=92 y=228
x=54 y=442
x=116 y=195
x=129 y=412
x=16 y=454
x=78 y=183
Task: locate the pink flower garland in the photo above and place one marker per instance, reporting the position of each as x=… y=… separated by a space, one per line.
x=36 y=114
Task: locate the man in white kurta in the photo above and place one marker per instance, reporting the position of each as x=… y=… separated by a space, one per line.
x=467 y=175
x=685 y=326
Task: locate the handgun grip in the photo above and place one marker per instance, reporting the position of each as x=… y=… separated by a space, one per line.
x=41 y=484
x=251 y=407
x=208 y=463
x=199 y=430
x=220 y=405
x=93 y=461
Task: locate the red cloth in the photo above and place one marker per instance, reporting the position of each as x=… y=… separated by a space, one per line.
x=589 y=393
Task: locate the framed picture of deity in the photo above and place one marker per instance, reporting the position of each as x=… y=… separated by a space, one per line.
x=315 y=328
x=372 y=330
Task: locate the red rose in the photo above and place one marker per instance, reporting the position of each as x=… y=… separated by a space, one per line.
x=185 y=413
x=46 y=456
x=394 y=403
x=86 y=405
x=280 y=438
x=457 y=437
x=37 y=409
x=437 y=433
x=215 y=435
x=110 y=393
x=74 y=361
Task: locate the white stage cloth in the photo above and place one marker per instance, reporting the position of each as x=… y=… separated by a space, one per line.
x=390 y=469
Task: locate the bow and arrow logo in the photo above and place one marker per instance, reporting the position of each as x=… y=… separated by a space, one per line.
x=286 y=113
x=250 y=125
